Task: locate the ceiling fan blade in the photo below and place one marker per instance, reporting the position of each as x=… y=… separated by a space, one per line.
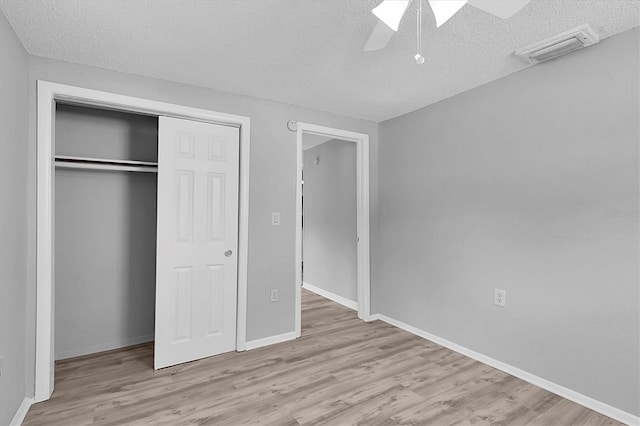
x=445 y=9
x=501 y=8
x=391 y=12
x=379 y=37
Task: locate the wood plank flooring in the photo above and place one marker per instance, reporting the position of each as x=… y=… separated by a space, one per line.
x=341 y=372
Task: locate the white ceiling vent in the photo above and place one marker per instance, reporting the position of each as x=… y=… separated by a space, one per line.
x=559 y=45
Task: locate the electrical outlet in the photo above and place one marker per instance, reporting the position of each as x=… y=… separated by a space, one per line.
x=275 y=218
x=500 y=297
x=274 y=294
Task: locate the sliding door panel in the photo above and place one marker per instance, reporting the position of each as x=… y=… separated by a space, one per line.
x=196 y=288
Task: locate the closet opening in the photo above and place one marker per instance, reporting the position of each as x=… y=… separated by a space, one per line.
x=105 y=221
x=105 y=161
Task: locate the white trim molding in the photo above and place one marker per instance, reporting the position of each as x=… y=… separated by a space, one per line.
x=22 y=411
x=50 y=93
x=271 y=340
x=362 y=193
x=351 y=304
x=594 y=404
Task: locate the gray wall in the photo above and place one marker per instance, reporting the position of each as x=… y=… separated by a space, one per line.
x=536 y=193
x=13 y=219
x=529 y=184
x=330 y=218
x=272 y=184
x=105 y=228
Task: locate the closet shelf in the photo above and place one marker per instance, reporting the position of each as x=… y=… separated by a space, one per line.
x=69 y=162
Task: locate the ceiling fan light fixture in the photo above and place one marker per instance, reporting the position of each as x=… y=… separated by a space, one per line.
x=391 y=12
x=445 y=9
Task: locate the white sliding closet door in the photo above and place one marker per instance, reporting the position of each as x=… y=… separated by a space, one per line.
x=197 y=273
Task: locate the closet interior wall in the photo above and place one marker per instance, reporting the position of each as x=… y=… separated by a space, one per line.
x=105 y=232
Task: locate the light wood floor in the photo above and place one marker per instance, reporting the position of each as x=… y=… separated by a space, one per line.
x=342 y=371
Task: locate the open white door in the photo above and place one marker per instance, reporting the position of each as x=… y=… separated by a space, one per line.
x=196 y=283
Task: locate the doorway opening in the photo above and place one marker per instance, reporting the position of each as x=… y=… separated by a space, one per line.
x=329 y=222
x=338 y=144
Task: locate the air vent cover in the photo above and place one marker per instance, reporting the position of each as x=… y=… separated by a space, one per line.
x=559 y=45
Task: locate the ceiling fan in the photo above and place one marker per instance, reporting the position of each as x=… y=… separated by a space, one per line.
x=390 y=13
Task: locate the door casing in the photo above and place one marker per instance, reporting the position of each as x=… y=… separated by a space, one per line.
x=362 y=194
x=48 y=94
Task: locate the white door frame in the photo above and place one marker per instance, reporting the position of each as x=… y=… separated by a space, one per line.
x=362 y=193
x=48 y=94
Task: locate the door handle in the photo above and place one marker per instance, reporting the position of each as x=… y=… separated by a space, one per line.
x=228 y=253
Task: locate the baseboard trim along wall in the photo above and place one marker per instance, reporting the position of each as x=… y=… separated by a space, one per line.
x=271 y=340
x=595 y=405
x=106 y=347
x=331 y=296
x=23 y=409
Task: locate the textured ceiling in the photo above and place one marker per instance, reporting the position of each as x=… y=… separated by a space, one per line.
x=301 y=52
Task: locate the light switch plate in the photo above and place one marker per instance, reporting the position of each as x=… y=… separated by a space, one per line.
x=275 y=218
x=274 y=295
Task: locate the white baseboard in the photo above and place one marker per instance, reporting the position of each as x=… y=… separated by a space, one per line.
x=331 y=296
x=595 y=405
x=105 y=347
x=22 y=411
x=271 y=340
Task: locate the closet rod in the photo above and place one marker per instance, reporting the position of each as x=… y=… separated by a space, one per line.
x=69 y=162
x=103 y=166
x=104 y=160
